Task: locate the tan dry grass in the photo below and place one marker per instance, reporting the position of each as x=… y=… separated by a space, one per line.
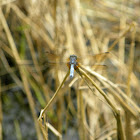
x=81 y=28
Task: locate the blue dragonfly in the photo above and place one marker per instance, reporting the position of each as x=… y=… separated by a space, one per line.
x=73 y=62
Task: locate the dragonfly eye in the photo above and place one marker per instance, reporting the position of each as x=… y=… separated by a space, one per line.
x=73 y=59
x=73 y=56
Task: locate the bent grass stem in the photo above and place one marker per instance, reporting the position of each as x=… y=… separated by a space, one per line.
x=82 y=72
x=116 y=112
x=55 y=94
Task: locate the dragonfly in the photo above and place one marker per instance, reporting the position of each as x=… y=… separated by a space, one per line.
x=74 y=62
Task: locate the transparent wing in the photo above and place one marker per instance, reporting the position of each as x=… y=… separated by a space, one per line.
x=99 y=67
x=93 y=58
x=96 y=67
x=54 y=59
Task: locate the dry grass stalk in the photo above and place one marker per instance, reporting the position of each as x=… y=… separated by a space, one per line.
x=116 y=92
x=116 y=112
x=22 y=72
x=52 y=99
x=30 y=28
x=128 y=127
x=1 y=114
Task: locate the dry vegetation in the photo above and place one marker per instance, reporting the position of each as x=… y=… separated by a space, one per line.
x=40 y=101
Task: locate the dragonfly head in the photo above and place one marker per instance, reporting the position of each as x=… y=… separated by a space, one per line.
x=73 y=59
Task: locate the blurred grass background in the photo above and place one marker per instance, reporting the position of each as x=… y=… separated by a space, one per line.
x=28 y=29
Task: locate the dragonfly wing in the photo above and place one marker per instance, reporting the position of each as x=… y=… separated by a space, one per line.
x=54 y=58
x=62 y=66
x=51 y=57
x=53 y=61
x=99 y=56
x=97 y=67
x=94 y=58
x=55 y=64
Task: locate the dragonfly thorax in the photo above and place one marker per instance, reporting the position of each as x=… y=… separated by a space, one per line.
x=73 y=59
x=72 y=65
